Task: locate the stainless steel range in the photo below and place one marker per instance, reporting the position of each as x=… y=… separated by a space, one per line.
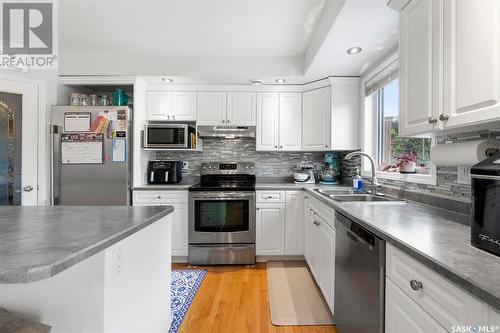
x=222 y=215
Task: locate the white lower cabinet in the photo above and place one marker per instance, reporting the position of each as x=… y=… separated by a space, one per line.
x=178 y=200
x=402 y=315
x=319 y=250
x=270 y=220
x=294 y=223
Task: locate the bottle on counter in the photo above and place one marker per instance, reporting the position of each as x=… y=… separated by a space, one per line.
x=357 y=181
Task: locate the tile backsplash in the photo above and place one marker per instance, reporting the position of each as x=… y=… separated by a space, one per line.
x=267 y=164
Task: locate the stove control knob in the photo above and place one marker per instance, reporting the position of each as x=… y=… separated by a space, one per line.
x=204 y=168
x=246 y=167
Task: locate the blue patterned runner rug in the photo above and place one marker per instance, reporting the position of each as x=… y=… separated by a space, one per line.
x=185 y=284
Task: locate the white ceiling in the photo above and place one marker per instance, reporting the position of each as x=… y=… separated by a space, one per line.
x=369 y=24
x=190 y=27
x=237 y=39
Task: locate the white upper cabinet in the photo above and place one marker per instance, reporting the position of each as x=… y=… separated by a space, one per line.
x=471 y=62
x=449 y=65
x=159 y=105
x=279 y=121
x=420 y=53
x=345 y=113
x=267 y=121
x=316 y=117
x=290 y=120
x=173 y=106
x=241 y=107
x=212 y=108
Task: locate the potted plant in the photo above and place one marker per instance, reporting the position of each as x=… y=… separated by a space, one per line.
x=407 y=162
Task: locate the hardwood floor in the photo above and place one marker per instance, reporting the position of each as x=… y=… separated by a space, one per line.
x=234 y=299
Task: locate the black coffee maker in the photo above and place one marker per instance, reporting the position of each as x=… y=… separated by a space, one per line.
x=485 y=219
x=164 y=172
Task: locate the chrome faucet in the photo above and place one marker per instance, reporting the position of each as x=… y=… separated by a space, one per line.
x=375 y=183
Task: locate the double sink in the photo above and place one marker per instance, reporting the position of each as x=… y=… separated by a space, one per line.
x=350 y=196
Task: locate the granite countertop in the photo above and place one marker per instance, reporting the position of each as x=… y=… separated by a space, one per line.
x=433 y=236
x=39 y=242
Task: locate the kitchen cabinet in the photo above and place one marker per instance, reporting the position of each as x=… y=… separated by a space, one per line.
x=316 y=117
x=270 y=222
x=212 y=108
x=177 y=199
x=226 y=109
x=294 y=223
x=449 y=65
x=404 y=315
x=319 y=250
x=471 y=62
x=241 y=108
x=428 y=292
x=279 y=121
x=420 y=55
x=171 y=106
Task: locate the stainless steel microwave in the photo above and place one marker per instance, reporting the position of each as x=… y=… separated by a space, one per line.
x=166 y=135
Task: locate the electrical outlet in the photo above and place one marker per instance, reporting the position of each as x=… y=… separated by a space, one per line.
x=463 y=175
x=185 y=165
x=116 y=262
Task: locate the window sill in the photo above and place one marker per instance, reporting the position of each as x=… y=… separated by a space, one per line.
x=418 y=178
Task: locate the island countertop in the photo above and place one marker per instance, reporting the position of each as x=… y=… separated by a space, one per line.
x=39 y=242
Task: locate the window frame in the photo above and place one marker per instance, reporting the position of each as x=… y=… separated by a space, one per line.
x=368 y=144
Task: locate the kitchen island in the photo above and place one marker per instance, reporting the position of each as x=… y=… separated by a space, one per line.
x=87 y=268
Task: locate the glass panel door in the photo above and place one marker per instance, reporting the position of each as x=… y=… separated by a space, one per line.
x=10 y=148
x=221 y=215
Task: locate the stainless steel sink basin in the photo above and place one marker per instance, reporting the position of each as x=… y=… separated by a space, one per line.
x=350 y=196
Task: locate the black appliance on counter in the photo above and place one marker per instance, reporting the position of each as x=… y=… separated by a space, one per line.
x=485 y=218
x=164 y=172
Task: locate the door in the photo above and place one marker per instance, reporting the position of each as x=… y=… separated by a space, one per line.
x=241 y=108
x=420 y=52
x=159 y=105
x=18 y=142
x=184 y=105
x=180 y=230
x=290 y=121
x=212 y=108
x=294 y=223
x=267 y=121
x=404 y=315
x=270 y=220
x=316 y=120
x=471 y=62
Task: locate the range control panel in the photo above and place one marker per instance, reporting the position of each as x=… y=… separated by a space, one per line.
x=221 y=168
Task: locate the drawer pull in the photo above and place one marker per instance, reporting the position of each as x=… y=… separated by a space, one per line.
x=269 y=196
x=416 y=285
x=158 y=197
x=316 y=223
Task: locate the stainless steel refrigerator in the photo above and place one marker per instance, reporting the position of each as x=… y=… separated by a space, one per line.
x=90 y=148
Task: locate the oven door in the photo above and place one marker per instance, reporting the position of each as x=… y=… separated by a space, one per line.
x=221 y=217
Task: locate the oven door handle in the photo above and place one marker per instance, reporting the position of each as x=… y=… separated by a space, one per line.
x=224 y=196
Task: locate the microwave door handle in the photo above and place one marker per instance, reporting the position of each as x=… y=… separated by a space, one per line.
x=152 y=176
x=166 y=176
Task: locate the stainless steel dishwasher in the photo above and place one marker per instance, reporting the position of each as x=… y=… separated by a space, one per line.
x=359 y=278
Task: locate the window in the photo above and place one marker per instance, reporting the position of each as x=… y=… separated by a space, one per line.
x=398 y=158
x=395 y=151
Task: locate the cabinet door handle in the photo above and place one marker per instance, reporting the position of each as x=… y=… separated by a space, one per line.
x=316 y=223
x=228 y=121
x=326 y=146
x=306 y=197
x=258 y=208
x=432 y=120
x=275 y=146
x=416 y=285
x=168 y=116
x=173 y=117
x=158 y=197
x=281 y=147
x=223 y=121
x=443 y=117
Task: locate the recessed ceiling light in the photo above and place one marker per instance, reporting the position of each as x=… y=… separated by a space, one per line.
x=256 y=82
x=167 y=80
x=354 y=50
x=280 y=80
